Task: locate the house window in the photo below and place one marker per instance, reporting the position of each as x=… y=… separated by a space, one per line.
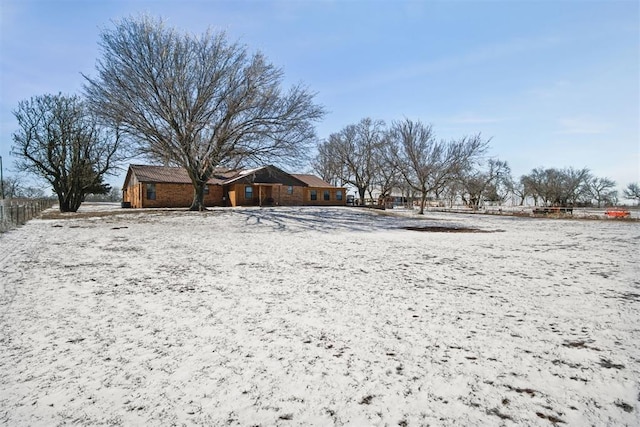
x=326 y=196
x=248 y=192
x=290 y=189
x=206 y=190
x=151 y=191
x=314 y=195
x=339 y=195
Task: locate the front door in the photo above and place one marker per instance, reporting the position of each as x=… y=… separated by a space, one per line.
x=265 y=195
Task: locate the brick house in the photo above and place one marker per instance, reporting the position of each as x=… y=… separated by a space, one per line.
x=170 y=187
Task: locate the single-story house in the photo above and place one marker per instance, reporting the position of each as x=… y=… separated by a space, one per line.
x=170 y=187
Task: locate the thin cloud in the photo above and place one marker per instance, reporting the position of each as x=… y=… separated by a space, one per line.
x=481 y=55
x=551 y=91
x=473 y=119
x=582 y=126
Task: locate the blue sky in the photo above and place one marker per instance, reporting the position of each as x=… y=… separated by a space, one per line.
x=553 y=83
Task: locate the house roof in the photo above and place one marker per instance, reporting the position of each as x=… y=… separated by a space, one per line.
x=312 y=180
x=263 y=175
x=266 y=175
x=175 y=175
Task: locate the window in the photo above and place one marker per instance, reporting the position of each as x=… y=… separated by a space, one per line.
x=151 y=191
x=206 y=190
x=248 y=192
x=339 y=195
x=290 y=189
x=326 y=196
x=314 y=195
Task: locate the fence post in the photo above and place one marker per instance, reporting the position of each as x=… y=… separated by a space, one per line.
x=18 y=212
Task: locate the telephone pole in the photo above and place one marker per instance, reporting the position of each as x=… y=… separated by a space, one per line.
x=1 y=179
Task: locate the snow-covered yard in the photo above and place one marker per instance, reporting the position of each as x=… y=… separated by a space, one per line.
x=318 y=316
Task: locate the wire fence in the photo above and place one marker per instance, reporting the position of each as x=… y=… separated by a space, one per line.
x=15 y=212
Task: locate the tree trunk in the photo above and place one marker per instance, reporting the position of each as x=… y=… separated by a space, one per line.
x=198 y=197
x=68 y=200
x=423 y=200
x=69 y=204
x=362 y=191
x=63 y=203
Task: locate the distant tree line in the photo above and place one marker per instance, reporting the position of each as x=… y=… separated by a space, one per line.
x=406 y=158
x=15 y=188
x=567 y=187
x=114 y=195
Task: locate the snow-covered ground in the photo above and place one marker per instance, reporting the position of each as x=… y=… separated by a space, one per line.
x=318 y=316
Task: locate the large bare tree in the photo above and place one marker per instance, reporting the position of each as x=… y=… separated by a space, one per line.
x=60 y=141
x=428 y=165
x=199 y=102
x=353 y=155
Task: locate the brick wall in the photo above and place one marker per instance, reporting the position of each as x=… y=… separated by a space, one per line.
x=320 y=197
x=278 y=193
x=179 y=196
x=294 y=199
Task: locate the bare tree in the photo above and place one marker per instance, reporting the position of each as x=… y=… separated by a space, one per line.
x=12 y=186
x=558 y=187
x=472 y=186
x=501 y=183
x=32 y=192
x=575 y=185
x=491 y=184
x=387 y=171
x=602 y=190
x=537 y=184
x=354 y=155
x=59 y=140
x=632 y=191
x=198 y=102
x=451 y=192
x=327 y=166
x=521 y=189
x=428 y=165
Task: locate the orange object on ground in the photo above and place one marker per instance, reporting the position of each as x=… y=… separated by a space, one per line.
x=617 y=213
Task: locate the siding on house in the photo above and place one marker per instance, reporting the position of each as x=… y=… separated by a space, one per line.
x=335 y=196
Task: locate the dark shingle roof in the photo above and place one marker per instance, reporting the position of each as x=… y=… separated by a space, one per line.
x=312 y=180
x=175 y=175
x=265 y=174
